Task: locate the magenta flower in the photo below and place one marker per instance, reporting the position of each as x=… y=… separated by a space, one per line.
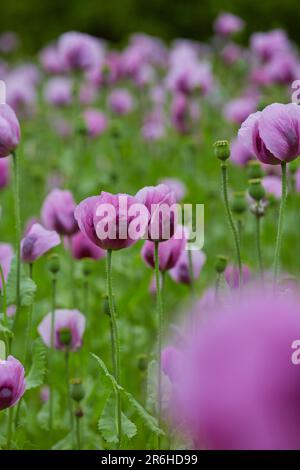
x=232 y=275
x=12 y=382
x=114 y=215
x=58 y=91
x=6 y=255
x=69 y=328
x=238 y=387
x=80 y=51
x=4 y=172
x=161 y=203
x=37 y=242
x=181 y=271
x=58 y=212
x=82 y=247
x=273 y=135
x=9 y=130
x=95 y=122
x=227 y=24
x=120 y=101
x=169 y=251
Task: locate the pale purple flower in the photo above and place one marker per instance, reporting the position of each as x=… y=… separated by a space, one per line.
x=4 y=172
x=120 y=101
x=238 y=110
x=80 y=51
x=227 y=24
x=37 y=242
x=58 y=212
x=82 y=247
x=160 y=201
x=239 y=154
x=169 y=251
x=95 y=122
x=154 y=126
x=69 y=326
x=45 y=394
x=177 y=186
x=272 y=185
x=231 y=275
x=181 y=271
x=273 y=135
x=231 y=53
x=9 y=130
x=267 y=45
x=51 y=60
x=6 y=255
x=237 y=387
x=58 y=91
x=12 y=382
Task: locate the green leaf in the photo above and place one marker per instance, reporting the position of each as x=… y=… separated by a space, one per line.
x=58 y=416
x=6 y=331
x=27 y=286
x=149 y=421
x=107 y=423
x=35 y=377
x=64 y=444
x=151 y=403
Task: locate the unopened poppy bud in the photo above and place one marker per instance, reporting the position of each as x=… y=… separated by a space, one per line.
x=239 y=203
x=53 y=263
x=143 y=362
x=77 y=390
x=255 y=170
x=65 y=336
x=222 y=149
x=221 y=263
x=256 y=189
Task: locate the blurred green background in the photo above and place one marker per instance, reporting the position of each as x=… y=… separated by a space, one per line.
x=39 y=21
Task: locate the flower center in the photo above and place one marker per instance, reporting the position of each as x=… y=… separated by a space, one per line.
x=6 y=395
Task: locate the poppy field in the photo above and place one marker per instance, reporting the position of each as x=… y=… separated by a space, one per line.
x=149 y=214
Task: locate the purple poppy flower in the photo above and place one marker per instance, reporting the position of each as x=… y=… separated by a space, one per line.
x=6 y=255
x=272 y=185
x=181 y=271
x=120 y=101
x=69 y=328
x=37 y=242
x=227 y=24
x=95 y=122
x=9 y=130
x=82 y=247
x=58 y=212
x=12 y=382
x=232 y=275
x=175 y=185
x=80 y=51
x=238 y=110
x=239 y=154
x=58 y=91
x=4 y=172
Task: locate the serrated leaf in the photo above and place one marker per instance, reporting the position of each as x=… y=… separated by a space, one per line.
x=149 y=421
x=27 y=286
x=35 y=377
x=107 y=423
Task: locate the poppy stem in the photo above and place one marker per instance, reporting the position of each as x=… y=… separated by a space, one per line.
x=18 y=230
x=29 y=324
x=159 y=306
x=52 y=344
x=115 y=343
x=258 y=245
x=235 y=233
x=280 y=222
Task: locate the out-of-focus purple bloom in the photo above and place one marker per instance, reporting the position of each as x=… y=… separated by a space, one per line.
x=239 y=109
x=181 y=271
x=267 y=45
x=9 y=42
x=169 y=251
x=190 y=76
x=12 y=382
x=11 y=311
x=232 y=275
x=80 y=51
x=273 y=135
x=177 y=186
x=95 y=122
x=58 y=212
x=87 y=93
x=37 y=242
x=51 y=60
x=160 y=201
x=9 y=130
x=231 y=53
x=6 y=255
x=82 y=247
x=239 y=154
x=69 y=326
x=4 y=172
x=154 y=126
x=58 y=91
x=238 y=387
x=272 y=185
x=120 y=101
x=227 y=24
x=44 y=394
x=170 y=358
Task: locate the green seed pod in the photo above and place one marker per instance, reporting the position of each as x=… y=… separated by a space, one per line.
x=222 y=149
x=143 y=362
x=256 y=189
x=255 y=170
x=53 y=263
x=239 y=203
x=65 y=336
x=221 y=263
x=77 y=390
